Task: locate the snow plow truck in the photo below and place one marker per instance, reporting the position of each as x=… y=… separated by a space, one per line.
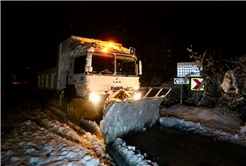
x=90 y=74
x=98 y=72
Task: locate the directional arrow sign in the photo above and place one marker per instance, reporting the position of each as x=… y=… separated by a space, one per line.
x=181 y=81
x=195 y=82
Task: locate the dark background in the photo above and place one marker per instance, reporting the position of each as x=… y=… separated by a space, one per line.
x=160 y=32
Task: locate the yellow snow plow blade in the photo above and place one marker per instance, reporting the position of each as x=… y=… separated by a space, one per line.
x=136 y=114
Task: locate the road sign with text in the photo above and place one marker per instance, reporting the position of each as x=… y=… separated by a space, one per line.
x=184 y=68
x=181 y=81
x=195 y=83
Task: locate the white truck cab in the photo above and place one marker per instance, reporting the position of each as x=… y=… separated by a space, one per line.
x=92 y=68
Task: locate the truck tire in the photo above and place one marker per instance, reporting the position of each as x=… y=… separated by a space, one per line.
x=70 y=92
x=72 y=113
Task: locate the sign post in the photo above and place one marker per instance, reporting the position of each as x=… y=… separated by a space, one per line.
x=181 y=94
x=181 y=81
x=190 y=69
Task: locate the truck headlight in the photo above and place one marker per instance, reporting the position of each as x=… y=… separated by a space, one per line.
x=137 y=96
x=94 y=97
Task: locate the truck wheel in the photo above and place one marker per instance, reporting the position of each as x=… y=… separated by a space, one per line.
x=70 y=92
x=71 y=113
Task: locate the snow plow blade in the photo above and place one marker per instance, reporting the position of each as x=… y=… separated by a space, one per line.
x=136 y=114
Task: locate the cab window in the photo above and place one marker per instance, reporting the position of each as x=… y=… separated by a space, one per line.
x=79 y=64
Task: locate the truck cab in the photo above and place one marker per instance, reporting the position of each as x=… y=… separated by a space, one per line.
x=97 y=68
x=91 y=68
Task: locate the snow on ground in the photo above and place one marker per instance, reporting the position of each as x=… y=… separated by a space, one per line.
x=40 y=138
x=124 y=117
x=209 y=116
x=43 y=140
x=243 y=129
x=31 y=144
x=206 y=121
x=131 y=156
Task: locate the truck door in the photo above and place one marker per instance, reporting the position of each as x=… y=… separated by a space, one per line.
x=77 y=74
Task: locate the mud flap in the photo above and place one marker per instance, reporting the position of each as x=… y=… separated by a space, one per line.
x=121 y=118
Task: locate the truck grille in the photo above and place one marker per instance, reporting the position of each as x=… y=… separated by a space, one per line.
x=116 y=87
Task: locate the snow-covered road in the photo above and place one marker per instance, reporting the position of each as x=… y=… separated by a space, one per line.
x=42 y=140
x=33 y=145
x=46 y=137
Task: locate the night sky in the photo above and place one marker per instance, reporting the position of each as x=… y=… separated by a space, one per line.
x=160 y=31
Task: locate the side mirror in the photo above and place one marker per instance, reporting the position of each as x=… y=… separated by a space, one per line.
x=88 y=67
x=139 y=67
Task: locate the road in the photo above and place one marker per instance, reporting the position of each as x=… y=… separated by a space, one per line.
x=165 y=146
x=177 y=148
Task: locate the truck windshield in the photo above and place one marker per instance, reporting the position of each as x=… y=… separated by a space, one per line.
x=103 y=63
x=125 y=65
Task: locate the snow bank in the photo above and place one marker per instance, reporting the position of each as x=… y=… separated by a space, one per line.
x=31 y=144
x=43 y=139
x=211 y=117
x=196 y=127
x=72 y=131
x=62 y=129
x=130 y=155
x=57 y=111
x=124 y=117
x=243 y=129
